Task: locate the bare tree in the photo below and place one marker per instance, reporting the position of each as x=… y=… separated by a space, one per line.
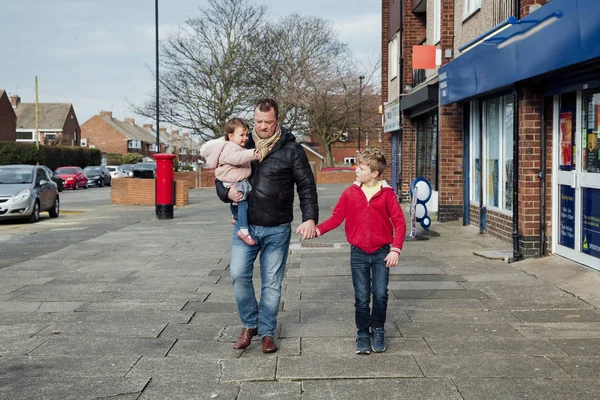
x=205 y=79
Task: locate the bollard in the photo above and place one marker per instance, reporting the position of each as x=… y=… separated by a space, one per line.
x=165 y=177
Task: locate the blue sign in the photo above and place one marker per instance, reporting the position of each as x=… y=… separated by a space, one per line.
x=567 y=217
x=590 y=230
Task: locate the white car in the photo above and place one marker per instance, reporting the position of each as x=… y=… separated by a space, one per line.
x=116 y=171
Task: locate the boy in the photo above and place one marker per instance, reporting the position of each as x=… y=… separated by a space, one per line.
x=374 y=221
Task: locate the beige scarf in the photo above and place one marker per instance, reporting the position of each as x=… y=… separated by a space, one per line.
x=264 y=146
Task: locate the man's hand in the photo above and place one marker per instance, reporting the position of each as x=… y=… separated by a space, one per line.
x=307 y=229
x=234 y=195
x=392 y=259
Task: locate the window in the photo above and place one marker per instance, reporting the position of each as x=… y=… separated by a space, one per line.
x=153 y=147
x=437 y=20
x=193 y=152
x=25 y=136
x=182 y=151
x=496 y=168
x=134 y=144
x=393 y=58
x=471 y=6
x=49 y=136
x=349 y=160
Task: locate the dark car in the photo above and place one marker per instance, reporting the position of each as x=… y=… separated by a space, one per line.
x=144 y=170
x=60 y=183
x=97 y=176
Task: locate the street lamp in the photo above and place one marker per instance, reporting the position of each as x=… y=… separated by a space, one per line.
x=157 y=80
x=360 y=78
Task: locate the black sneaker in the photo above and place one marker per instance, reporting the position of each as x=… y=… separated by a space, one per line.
x=378 y=340
x=363 y=343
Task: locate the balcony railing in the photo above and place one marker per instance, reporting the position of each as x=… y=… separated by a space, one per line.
x=503 y=9
x=418 y=77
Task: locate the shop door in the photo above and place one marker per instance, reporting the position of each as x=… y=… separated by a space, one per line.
x=577 y=189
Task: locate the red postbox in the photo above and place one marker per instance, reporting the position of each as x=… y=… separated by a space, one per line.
x=165 y=176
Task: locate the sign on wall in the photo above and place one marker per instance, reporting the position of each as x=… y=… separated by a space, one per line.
x=590 y=230
x=567 y=216
x=391 y=115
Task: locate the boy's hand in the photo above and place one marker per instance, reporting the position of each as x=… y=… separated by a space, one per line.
x=391 y=260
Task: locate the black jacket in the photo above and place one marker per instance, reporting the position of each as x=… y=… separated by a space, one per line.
x=271 y=201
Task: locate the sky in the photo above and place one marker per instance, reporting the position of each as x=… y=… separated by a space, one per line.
x=100 y=54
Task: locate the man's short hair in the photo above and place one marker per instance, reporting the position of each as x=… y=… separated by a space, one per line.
x=373 y=158
x=264 y=105
x=233 y=124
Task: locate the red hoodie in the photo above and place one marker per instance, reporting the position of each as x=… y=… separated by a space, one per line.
x=369 y=224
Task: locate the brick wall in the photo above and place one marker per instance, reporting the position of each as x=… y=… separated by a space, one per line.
x=8 y=120
x=100 y=134
x=190 y=177
x=70 y=127
x=207 y=178
x=451 y=159
x=548 y=171
x=526 y=4
x=142 y=192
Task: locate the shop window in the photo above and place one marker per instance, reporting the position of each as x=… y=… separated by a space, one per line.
x=427 y=143
x=591 y=131
x=475 y=166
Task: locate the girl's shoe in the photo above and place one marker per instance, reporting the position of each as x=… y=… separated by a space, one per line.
x=246 y=238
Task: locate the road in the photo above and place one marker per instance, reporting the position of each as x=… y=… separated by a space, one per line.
x=85 y=214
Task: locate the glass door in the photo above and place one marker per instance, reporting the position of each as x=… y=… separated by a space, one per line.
x=577 y=188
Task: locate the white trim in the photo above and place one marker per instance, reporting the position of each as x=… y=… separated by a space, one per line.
x=437 y=21
x=312 y=151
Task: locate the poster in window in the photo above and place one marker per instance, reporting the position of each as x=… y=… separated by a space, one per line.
x=590 y=229
x=566 y=140
x=567 y=217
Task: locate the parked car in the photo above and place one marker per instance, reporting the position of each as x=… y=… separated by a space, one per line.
x=127 y=168
x=116 y=171
x=25 y=191
x=60 y=183
x=144 y=167
x=73 y=176
x=97 y=176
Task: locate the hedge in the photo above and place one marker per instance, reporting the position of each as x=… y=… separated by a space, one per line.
x=51 y=156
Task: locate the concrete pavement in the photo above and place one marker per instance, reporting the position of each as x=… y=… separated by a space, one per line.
x=147 y=312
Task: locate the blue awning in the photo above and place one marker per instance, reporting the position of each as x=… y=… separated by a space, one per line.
x=557 y=35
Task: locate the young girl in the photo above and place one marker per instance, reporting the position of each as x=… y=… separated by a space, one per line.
x=232 y=163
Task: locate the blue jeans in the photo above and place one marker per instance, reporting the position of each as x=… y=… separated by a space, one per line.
x=239 y=211
x=370 y=277
x=272 y=242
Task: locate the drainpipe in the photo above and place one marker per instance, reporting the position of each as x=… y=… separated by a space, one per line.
x=517 y=252
x=542 y=175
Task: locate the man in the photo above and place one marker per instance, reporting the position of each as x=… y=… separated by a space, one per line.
x=281 y=164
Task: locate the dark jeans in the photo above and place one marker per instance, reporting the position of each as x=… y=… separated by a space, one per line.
x=240 y=212
x=370 y=277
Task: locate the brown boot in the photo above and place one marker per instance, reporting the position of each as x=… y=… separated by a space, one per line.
x=268 y=345
x=245 y=338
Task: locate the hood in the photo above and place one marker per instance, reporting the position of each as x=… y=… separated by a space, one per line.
x=211 y=151
x=12 y=189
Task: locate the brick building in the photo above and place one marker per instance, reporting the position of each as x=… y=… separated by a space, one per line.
x=8 y=119
x=57 y=123
x=111 y=135
x=518 y=118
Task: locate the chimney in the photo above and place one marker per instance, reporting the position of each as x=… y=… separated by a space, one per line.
x=107 y=114
x=163 y=131
x=15 y=101
x=130 y=121
x=148 y=126
x=175 y=132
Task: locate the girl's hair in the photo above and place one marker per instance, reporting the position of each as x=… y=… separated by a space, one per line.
x=373 y=158
x=232 y=124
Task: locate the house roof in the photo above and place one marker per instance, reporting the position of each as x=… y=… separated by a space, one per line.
x=51 y=115
x=313 y=151
x=130 y=131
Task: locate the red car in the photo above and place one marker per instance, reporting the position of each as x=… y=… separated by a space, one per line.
x=73 y=176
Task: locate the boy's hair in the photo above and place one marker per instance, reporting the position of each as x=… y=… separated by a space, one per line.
x=373 y=158
x=232 y=124
x=264 y=105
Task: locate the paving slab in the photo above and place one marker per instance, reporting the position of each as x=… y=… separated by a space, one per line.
x=583 y=315
x=138 y=329
x=400 y=389
x=248 y=369
x=210 y=307
x=320 y=315
x=69 y=346
x=460 y=330
x=534 y=389
x=439 y=294
x=462 y=316
x=348 y=367
x=271 y=390
x=159 y=389
x=132 y=305
x=511 y=366
x=579 y=367
x=493 y=346
x=330 y=329
x=347 y=346
x=67 y=388
x=410 y=270
x=19 y=306
x=207 y=349
x=21 y=330
x=19 y=367
x=427 y=285
x=559 y=329
x=287 y=347
x=193 y=332
x=578 y=347
x=179 y=368
x=515 y=277
x=19 y=346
